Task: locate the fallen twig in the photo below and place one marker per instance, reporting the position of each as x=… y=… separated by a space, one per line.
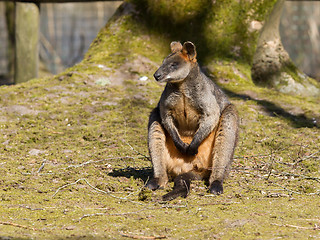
x=279 y=185
x=101 y=160
x=19 y=226
x=141 y=237
x=74 y=183
x=310 y=219
x=286 y=189
x=91 y=215
x=110 y=214
x=274 y=173
x=94 y=188
x=42 y=166
x=137 y=152
x=306 y=157
x=30 y=208
x=297 y=176
x=316 y=227
x=218 y=203
x=132 y=148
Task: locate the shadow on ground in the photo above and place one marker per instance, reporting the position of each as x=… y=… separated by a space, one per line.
x=273 y=110
x=137 y=173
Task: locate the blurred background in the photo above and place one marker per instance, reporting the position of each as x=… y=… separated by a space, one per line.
x=299 y=30
x=67 y=30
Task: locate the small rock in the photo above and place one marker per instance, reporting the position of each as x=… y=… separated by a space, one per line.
x=103 y=67
x=102 y=81
x=35 y=152
x=70 y=227
x=143 y=78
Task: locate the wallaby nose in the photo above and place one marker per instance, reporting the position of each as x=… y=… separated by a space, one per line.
x=157 y=76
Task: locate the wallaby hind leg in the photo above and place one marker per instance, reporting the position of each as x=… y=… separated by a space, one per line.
x=158 y=151
x=225 y=142
x=181 y=186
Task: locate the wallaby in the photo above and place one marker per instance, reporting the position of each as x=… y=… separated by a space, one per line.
x=193 y=131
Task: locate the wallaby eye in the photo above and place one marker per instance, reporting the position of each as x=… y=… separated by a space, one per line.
x=174 y=64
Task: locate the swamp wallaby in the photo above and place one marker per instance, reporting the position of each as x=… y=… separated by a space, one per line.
x=193 y=131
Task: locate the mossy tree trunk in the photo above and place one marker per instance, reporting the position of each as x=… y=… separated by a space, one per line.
x=26 y=41
x=270 y=56
x=272 y=65
x=224 y=31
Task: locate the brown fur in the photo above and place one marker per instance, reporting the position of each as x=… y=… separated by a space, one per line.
x=193 y=129
x=178 y=163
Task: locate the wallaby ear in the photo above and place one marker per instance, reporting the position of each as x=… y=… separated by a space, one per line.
x=190 y=50
x=175 y=47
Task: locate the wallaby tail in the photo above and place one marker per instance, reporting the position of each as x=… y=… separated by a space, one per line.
x=181 y=186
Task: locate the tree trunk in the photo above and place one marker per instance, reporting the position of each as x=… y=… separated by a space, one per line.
x=226 y=33
x=270 y=56
x=26 y=41
x=11 y=39
x=272 y=65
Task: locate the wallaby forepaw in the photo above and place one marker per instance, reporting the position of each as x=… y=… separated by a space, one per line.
x=216 y=187
x=153 y=184
x=182 y=148
x=192 y=151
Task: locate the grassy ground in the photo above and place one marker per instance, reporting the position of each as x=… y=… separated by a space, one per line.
x=74 y=157
x=74 y=162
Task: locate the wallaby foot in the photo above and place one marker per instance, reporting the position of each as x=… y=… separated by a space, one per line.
x=181 y=186
x=153 y=184
x=175 y=193
x=216 y=187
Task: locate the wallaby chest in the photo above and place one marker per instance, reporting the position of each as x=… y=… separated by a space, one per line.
x=184 y=112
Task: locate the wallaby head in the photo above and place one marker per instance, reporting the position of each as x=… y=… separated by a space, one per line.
x=177 y=66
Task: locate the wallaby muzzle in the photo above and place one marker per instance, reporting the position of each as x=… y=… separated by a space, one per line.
x=157 y=76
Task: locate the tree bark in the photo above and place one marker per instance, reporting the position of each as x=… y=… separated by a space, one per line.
x=26 y=41
x=272 y=65
x=10 y=12
x=270 y=56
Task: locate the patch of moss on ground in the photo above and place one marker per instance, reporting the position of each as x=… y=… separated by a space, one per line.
x=76 y=164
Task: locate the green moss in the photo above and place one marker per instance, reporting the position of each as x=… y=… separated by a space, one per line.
x=219 y=27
